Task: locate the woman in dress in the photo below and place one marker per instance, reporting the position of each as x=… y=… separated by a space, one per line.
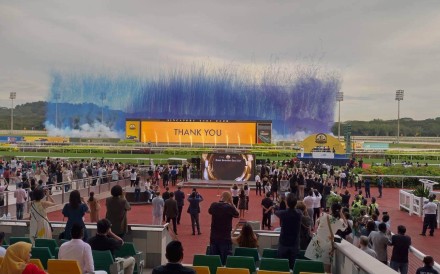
x=321 y=246
x=234 y=194
x=117 y=207
x=247 y=190
x=242 y=203
x=94 y=207
x=40 y=226
x=16 y=260
x=274 y=188
x=74 y=211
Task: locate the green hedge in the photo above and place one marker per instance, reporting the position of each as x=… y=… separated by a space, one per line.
x=400 y=170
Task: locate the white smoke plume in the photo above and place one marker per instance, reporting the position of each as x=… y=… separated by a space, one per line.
x=95 y=130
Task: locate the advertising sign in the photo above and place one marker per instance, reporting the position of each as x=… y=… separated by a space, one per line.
x=228 y=166
x=10 y=139
x=380 y=146
x=132 y=130
x=264 y=133
x=45 y=139
x=189 y=132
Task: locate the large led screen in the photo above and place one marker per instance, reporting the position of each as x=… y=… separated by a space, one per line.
x=190 y=132
x=228 y=166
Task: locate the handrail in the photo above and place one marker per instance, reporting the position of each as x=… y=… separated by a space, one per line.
x=361 y=260
x=84 y=184
x=421 y=256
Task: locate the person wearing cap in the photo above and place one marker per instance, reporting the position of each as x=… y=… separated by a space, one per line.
x=174 y=255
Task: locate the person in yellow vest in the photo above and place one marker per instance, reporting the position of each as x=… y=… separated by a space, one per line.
x=374 y=207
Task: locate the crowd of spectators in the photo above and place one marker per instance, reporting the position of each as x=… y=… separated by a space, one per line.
x=312 y=201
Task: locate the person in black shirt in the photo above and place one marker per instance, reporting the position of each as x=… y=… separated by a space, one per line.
x=105 y=239
x=399 y=257
x=345 y=202
x=428 y=268
x=221 y=226
x=290 y=219
x=174 y=255
x=179 y=196
x=267 y=205
x=165 y=196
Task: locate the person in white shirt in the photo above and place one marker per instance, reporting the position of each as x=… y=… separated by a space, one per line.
x=133 y=176
x=430 y=211
x=158 y=205
x=316 y=205
x=257 y=184
x=77 y=249
x=309 y=202
x=115 y=175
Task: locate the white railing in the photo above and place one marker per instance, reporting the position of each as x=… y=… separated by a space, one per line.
x=352 y=260
x=405 y=200
x=417 y=206
x=96 y=184
x=414 y=204
x=421 y=255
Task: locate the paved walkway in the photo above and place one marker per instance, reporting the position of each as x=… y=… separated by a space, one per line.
x=141 y=214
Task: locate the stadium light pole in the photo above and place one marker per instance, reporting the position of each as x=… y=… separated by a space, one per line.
x=56 y=97
x=12 y=96
x=102 y=96
x=399 y=97
x=339 y=98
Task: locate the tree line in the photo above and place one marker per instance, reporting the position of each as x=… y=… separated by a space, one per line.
x=378 y=127
x=33 y=115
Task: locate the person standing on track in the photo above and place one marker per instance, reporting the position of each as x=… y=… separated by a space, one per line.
x=179 y=196
x=430 y=219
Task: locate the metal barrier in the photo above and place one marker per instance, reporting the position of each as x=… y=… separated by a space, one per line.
x=96 y=184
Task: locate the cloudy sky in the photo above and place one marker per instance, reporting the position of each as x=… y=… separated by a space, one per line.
x=375 y=46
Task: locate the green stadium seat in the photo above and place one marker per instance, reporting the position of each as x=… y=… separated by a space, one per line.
x=128 y=249
x=14 y=240
x=211 y=261
x=247 y=252
x=103 y=260
x=50 y=243
x=273 y=264
x=42 y=253
x=57 y=250
x=241 y=262
x=270 y=253
x=301 y=256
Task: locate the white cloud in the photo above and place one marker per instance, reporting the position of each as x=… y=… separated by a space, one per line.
x=377 y=46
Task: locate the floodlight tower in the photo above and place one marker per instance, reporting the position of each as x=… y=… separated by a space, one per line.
x=102 y=97
x=339 y=98
x=399 y=97
x=12 y=96
x=57 y=98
